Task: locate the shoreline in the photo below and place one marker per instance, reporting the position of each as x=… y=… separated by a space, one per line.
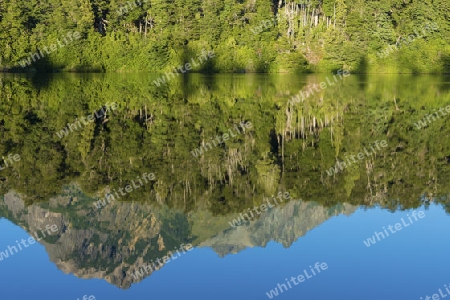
x=242 y=72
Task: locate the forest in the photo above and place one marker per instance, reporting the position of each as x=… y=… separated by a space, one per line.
x=268 y=36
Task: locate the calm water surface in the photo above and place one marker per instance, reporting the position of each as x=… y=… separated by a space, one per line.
x=180 y=169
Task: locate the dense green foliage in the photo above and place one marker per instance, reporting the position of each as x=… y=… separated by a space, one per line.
x=248 y=35
x=289 y=147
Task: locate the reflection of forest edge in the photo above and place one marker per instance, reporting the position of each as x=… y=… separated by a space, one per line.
x=289 y=148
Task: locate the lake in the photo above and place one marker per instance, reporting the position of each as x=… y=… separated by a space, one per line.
x=230 y=186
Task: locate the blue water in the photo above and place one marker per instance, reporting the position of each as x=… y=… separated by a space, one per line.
x=409 y=264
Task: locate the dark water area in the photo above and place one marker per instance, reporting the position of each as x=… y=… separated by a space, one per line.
x=224 y=186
